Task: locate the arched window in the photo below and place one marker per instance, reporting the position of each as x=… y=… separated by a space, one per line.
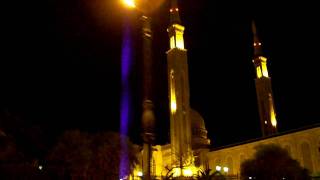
x=306 y=156
x=217 y=162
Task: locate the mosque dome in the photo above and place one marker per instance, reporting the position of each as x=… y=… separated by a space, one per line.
x=197 y=122
x=199 y=132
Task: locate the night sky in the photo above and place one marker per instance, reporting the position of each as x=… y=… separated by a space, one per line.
x=60 y=65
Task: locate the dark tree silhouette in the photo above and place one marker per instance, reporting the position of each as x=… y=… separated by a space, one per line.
x=91 y=156
x=205 y=174
x=271 y=162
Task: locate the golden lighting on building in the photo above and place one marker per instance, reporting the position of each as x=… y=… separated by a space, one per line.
x=264 y=69
x=179 y=40
x=186 y=171
x=129 y=3
x=262 y=58
x=259 y=74
x=273 y=117
x=172 y=43
x=137 y=174
x=272 y=113
x=173 y=102
x=176 y=172
x=176 y=40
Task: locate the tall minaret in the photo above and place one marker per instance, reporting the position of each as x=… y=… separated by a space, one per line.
x=264 y=90
x=180 y=124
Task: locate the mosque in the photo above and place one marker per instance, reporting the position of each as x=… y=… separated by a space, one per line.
x=189 y=150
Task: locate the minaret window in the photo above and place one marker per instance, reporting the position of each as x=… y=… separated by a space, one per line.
x=259 y=74
x=172 y=43
x=173 y=103
x=272 y=113
x=264 y=69
x=179 y=40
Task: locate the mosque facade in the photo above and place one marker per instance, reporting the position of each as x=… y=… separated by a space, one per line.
x=189 y=150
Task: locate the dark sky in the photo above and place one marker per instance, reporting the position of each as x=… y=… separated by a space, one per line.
x=60 y=66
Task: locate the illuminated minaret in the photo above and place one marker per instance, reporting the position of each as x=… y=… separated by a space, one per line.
x=264 y=90
x=178 y=87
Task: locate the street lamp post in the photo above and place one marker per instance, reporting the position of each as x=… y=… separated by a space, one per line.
x=148 y=118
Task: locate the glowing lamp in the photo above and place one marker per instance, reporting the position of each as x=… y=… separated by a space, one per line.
x=129 y=3
x=218 y=168
x=139 y=173
x=187 y=172
x=226 y=169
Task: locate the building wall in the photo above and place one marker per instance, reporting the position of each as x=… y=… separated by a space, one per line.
x=304 y=146
x=161 y=158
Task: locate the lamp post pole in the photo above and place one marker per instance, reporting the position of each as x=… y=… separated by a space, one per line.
x=148 y=118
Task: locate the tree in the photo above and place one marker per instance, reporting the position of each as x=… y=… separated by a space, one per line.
x=183 y=161
x=205 y=174
x=209 y=174
x=271 y=162
x=91 y=156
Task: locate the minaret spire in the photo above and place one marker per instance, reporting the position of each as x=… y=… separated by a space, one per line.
x=174 y=13
x=256 y=41
x=175 y=29
x=263 y=88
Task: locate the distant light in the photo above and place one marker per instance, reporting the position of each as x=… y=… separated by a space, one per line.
x=225 y=169
x=130 y=3
x=171 y=10
x=254 y=44
x=259 y=44
x=139 y=173
x=250 y=177
x=120 y=179
x=265 y=122
x=218 y=168
x=187 y=172
x=176 y=172
x=177 y=9
x=40 y=167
